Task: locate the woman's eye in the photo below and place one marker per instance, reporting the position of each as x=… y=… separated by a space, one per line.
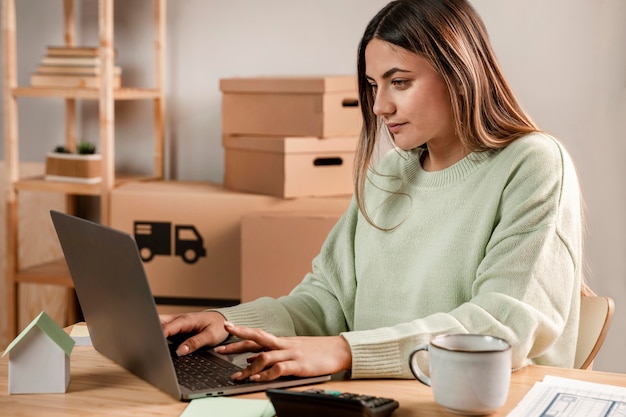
x=400 y=83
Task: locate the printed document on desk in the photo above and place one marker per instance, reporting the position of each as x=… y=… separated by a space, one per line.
x=564 y=397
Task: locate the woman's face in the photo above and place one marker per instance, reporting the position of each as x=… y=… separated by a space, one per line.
x=410 y=96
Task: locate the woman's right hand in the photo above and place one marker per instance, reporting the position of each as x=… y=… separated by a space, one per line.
x=205 y=328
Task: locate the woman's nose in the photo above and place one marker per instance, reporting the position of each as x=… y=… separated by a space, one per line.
x=382 y=104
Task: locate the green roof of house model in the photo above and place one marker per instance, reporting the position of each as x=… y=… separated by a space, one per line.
x=44 y=322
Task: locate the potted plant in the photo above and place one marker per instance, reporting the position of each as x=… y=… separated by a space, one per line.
x=83 y=165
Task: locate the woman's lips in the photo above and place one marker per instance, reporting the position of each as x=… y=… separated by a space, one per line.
x=395 y=127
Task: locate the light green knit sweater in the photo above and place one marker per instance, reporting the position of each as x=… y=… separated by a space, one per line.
x=490 y=245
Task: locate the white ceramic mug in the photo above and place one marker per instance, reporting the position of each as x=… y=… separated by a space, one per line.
x=469 y=373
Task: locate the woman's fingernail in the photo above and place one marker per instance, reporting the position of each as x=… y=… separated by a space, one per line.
x=219 y=348
x=237 y=375
x=182 y=350
x=228 y=324
x=255 y=377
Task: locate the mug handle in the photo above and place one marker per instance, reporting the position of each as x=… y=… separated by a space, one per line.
x=415 y=369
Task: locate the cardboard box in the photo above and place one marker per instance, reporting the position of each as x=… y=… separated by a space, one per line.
x=298 y=106
x=188 y=235
x=290 y=166
x=278 y=246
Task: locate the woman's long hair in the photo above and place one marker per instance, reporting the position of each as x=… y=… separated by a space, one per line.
x=452 y=37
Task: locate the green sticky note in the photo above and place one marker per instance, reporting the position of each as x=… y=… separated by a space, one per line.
x=229 y=406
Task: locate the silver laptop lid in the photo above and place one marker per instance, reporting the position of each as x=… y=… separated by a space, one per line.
x=115 y=299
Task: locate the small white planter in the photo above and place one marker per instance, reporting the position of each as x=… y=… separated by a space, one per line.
x=67 y=167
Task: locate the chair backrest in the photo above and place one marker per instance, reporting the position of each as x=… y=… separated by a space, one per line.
x=596 y=313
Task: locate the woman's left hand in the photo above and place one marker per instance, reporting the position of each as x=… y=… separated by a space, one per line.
x=282 y=356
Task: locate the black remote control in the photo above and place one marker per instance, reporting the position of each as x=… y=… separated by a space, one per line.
x=328 y=403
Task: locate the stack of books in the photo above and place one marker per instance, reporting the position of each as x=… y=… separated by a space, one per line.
x=72 y=66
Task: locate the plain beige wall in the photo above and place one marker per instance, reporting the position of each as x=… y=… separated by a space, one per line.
x=566 y=60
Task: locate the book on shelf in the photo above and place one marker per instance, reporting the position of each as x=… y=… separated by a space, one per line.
x=71 y=60
x=73 y=51
x=76 y=51
x=74 y=81
x=74 y=69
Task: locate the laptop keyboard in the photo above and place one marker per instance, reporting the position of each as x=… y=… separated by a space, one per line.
x=198 y=371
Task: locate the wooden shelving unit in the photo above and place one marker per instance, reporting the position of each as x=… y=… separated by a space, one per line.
x=56 y=273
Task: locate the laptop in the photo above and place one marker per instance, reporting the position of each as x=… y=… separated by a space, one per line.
x=121 y=315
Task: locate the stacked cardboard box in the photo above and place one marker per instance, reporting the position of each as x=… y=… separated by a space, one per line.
x=278 y=246
x=290 y=136
x=189 y=235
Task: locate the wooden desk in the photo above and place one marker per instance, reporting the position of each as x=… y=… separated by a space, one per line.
x=98 y=387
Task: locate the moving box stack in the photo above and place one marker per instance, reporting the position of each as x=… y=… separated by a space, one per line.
x=290 y=137
x=76 y=67
x=289 y=149
x=294 y=138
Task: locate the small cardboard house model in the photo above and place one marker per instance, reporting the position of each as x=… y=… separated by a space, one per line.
x=39 y=359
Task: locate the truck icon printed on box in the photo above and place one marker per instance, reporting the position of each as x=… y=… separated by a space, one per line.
x=155 y=238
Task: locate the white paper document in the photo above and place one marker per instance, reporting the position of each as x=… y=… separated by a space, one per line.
x=564 y=397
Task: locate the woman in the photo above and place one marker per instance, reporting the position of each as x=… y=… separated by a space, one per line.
x=471 y=224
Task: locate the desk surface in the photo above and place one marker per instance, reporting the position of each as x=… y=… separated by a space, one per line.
x=99 y=387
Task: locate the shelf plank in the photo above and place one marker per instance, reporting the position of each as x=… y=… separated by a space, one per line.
x=86 y=93
x=50 y=273
x=39 y=183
